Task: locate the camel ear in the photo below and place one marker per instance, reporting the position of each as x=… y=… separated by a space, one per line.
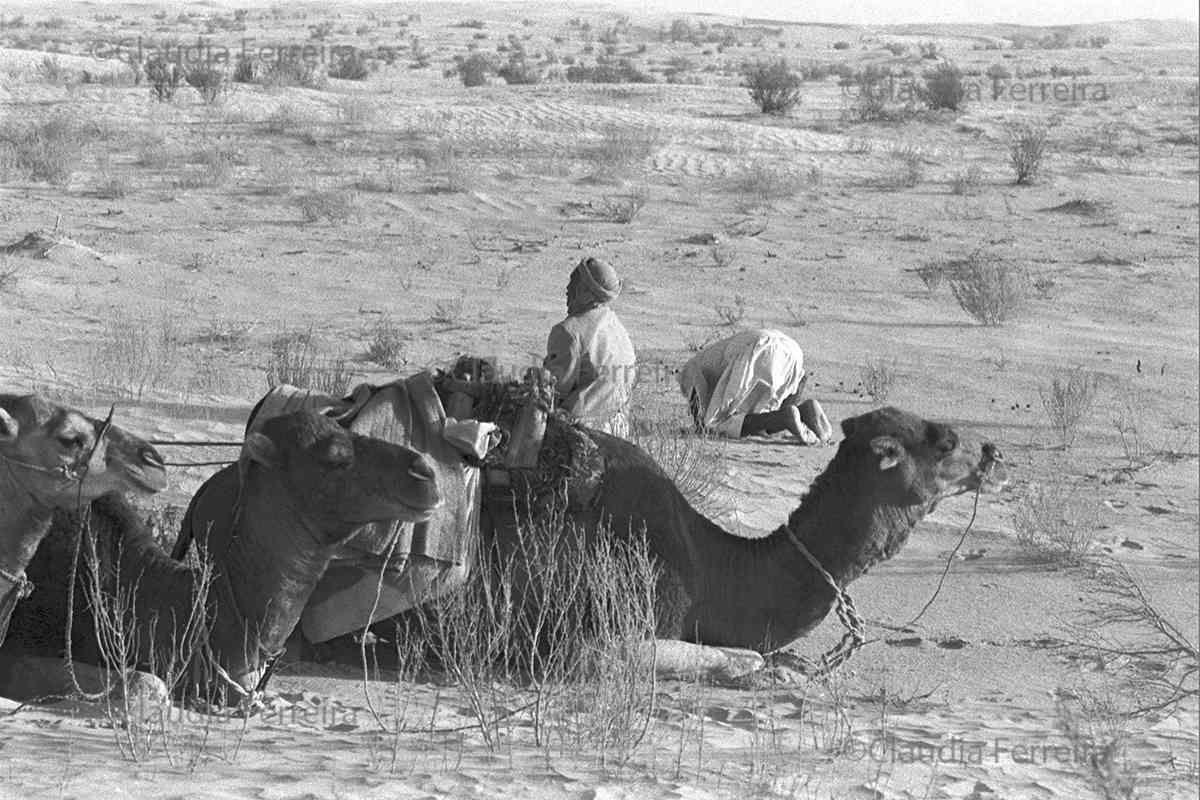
x=262 y=450
x=889 y=449
x=9 y=427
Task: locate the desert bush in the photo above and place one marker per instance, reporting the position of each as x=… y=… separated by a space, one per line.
x=357 y=110
x=607 y=70
x=210 y=82
x=909 y=169
x=285 y=70
x=623 y=209
x=449 y=311
x=475 y=69
x=731 y=314
x=841 y=45
x=991 y=290
x=868 y=90
x=967 y=181
x=619 y=152
x=559 y=614
x=52 y=71
x=761 y=183
x=294 y=360
x=774 y=86
x=1026 y=148
x=519 y=70
x=350 y=66
x=896 y=48
x=164 y=78
x=1058 y=521
x=943 y=87
x=332 y=205
x=998 y=72
x=1068 y=399
x=208 y=166
x=10 y=270
x=931 y=51
x=878 y=376
x=136 y=352
x=388 y=345
x=47 y=148
x=444 y=163
x=289 y=119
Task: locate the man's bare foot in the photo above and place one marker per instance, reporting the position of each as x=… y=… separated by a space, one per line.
x=797 y=426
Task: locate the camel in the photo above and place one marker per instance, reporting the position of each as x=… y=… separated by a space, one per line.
x=890 y=470
x=761 y=594
x=304 y=485
x=53 y=457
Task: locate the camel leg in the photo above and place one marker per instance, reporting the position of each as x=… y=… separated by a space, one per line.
x=29 y=678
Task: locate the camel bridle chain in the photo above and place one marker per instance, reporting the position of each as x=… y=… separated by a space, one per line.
x=856 y=628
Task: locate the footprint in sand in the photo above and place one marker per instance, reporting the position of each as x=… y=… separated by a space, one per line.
x=908 y=641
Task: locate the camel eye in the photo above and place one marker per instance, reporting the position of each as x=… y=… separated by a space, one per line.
x=338 y=455
x=71 y=442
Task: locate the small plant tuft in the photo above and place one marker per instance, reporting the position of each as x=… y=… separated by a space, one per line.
x=1068 y=400
x=774 y=86
x=991 y=290
x=1027 y=149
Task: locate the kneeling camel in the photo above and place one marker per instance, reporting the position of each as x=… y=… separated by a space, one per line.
x=305 y=485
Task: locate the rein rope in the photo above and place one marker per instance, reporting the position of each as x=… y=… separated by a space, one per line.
x=856 y=629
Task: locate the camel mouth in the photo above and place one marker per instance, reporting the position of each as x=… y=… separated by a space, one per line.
x=150 y=481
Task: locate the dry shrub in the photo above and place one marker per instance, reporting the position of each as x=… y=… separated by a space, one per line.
x=1027 y=143
x=209 y=167
x=445 y=165
x=1068 y=399
x=878 y=377
x=43 y=148
x=332 y=205
x=357 y=110
x=560 y=614
x=908 y=169
x=388 y=345
x=10 y=270
x=624 y=208
x=989 y=289
x=760 y=183
x=135 y=353
x=278 y=173
x=1058 y=521
x=967 y=181
x=620 y=152
x=295 y=360
x=291 y=120
x=774 y=86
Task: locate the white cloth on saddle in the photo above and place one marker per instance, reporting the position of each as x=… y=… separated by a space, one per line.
x=751 y=372
x=407 y=412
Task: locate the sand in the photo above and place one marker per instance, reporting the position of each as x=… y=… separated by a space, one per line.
x=185 y=274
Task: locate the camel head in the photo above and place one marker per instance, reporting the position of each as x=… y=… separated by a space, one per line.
x=60 y=457
x=918 y=462
x=340 y=480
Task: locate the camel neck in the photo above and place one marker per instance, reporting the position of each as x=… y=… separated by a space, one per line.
x=23 y=524
x=273 y=561
x=846 y=527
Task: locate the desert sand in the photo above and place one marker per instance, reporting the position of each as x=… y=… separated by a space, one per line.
x=410 y=211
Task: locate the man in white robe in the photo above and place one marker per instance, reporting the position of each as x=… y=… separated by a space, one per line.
x=751 y=383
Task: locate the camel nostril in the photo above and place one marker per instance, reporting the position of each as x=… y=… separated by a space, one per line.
x=150 y=456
